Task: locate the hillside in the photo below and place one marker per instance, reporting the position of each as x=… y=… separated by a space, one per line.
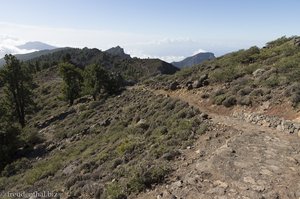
x=33 y=55
x=194 y=60
x=247 y=77
x=109 y=148
x=227 y=128
x=132 y=69
x=114 y=59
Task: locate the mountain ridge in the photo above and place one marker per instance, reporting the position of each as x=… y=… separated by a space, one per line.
x=118 y=51
x=194 y=60
x=36 y=45
x=32 y=55
x=113 y=59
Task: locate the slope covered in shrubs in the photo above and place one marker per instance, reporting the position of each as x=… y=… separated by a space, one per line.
x=248 y=77
x=112 y=147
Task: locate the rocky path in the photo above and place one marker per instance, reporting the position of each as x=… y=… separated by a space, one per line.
x=236 y=159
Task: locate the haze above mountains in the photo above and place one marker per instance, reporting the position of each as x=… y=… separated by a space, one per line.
x=37 y=49
x=36 y=45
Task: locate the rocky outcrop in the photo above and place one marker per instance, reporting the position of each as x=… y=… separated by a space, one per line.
x=202 y=81
x=274 y=122
x=297 y=41
x=118 y=51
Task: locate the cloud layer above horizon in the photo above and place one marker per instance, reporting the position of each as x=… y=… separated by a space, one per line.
x=137 y=45
x=9 y=45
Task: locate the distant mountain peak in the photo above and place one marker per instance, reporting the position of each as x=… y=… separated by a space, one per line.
x=194 y=60
x=36 y=45
x=117 y=51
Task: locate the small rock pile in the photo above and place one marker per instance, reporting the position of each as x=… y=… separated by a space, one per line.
x=269 y=121
x=202 y=81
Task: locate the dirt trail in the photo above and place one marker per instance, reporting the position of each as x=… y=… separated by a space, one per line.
x=234 y=160
x=216 y=114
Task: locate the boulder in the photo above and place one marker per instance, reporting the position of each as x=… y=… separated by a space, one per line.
x=188 y=83
x=203 y=81
x=174 y=86
x=203 y=78
x=106 y=122
x=259 y=72
x=190 y=87
x=143 y=124
x=197 y=84
x=204 y=116
x=297 y=41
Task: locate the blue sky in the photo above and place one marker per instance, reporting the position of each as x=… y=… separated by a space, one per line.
x=169 y=29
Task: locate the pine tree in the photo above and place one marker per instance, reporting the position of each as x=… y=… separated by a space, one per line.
x=72 y=81
x=114 y=83
x=17 y=87
x=96 y=79
x=9 y=132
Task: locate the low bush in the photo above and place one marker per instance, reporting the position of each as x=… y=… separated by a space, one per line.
x=229 y=101
x=245 y=91
x=218 y=100
x=295 y=99
x=16 y=167
x=257 y=92
x=146 y=179
x=244 y=101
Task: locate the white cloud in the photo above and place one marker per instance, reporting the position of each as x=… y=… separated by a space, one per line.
x=167 y=49
x=138 y=45
x=8 y=45
x=143 y=55
x=199 y=51
x=172 y=58
x=101 y=39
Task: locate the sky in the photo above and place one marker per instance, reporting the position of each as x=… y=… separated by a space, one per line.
x=167 y=29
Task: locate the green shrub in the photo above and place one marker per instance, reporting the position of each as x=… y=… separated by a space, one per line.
x=202 y=129
x=229 y=101
x=295 y=99
x=16 y=167
x=94 y=104
x=127 y=146
x=257 y=92
x=42 y=170
x=278 y=42
x=9 y=142
x=219 y=92
x=226 y=74
x=115 y=191
x=272 y=81
x=245 y=91
x=31 y=137
x=182 y=114
x=146 y=179
x=244 y=101
x=218 y=100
